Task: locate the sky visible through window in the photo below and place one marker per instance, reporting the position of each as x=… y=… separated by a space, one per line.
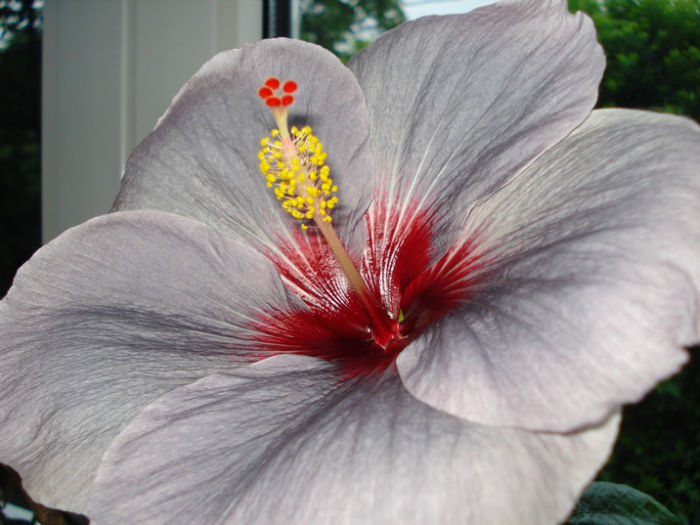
x=417 y=8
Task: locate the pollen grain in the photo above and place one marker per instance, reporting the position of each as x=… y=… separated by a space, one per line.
x=297 y=174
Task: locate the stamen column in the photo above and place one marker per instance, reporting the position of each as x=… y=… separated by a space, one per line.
x=309 y=197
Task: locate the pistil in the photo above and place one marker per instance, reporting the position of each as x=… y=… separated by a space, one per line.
x=385 y=328
x=304 y=186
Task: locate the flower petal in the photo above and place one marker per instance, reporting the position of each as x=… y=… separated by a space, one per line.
x=593 y=282
x=201 y=160
x=106 y=318
x=459 y=104
x=283 y=441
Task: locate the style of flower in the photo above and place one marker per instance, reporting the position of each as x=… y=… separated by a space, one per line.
x=497 y=269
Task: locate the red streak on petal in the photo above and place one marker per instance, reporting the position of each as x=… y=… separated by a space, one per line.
x=272 y=82
x=287 y=100
x=273 y=101
x=265 y=92
x=398 y=249
x=289 y=86
x=442 y=287
x=397 y=268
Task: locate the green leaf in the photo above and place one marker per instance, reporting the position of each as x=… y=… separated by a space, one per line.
x=606 y=503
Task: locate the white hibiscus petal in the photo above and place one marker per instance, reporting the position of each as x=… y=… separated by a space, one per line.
x=593 y=290
x=459 y=104
x=106 y=318
x=283 y=441
x=201 y=160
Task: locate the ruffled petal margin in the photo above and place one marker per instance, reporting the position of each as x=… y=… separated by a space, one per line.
x=285 y=441
x=201 y=160
x=460 y=104
x=103 y=320
x=591 y=283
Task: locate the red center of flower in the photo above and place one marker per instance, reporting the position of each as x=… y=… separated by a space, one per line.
x=360 y=311
x=409 y=288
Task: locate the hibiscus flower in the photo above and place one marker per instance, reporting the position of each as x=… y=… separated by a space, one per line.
x=437 y=324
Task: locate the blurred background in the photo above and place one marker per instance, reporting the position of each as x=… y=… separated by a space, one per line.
x=82 y=82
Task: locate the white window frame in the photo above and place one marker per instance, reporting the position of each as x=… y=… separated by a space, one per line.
x=110 y=69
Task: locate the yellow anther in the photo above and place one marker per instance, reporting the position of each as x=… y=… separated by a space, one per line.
x=297 y=174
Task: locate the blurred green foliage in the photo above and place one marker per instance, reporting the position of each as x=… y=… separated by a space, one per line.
x=346 y=26
x=653 y=53
x=20 y=189
x=659 y=445
x=653 y=62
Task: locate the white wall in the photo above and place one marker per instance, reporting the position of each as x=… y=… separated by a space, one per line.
x=110 y=69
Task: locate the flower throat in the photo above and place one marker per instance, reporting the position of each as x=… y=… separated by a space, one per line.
x=401 y=293
x=293 y=164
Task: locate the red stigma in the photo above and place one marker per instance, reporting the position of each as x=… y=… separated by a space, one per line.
x=269 y=92
x=265 y=92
